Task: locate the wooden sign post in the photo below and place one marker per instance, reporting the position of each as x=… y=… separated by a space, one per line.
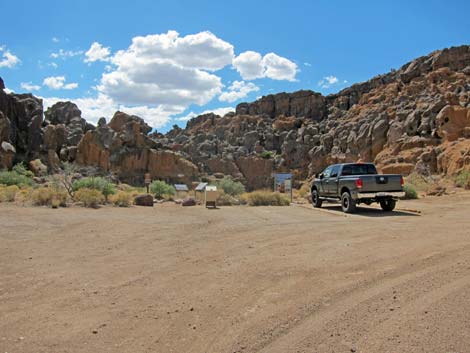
x=147 y=181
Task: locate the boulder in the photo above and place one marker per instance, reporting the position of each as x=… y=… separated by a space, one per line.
x=144 y=200
x=38 y=168
x=188 y=202
x=7 y=155
x=453 y=122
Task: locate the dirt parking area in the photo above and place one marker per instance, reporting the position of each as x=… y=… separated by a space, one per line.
x=236 y=279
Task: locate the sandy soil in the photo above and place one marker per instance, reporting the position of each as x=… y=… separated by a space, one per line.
x=236 y=279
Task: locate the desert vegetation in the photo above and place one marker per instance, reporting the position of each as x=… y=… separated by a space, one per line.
x=162 y=190
x=265 y=198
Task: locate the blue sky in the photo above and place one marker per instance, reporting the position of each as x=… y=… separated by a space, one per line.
x=166 y=61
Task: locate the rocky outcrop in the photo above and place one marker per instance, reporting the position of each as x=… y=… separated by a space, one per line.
x=414 y=119
x=20 y=124
x=404 y=121
x=124 y=148
x=306 y=104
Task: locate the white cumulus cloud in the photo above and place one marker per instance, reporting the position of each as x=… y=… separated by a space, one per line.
x=238 y=90
x=29 y=86
x=202 y=50
x=159 y=76
x=58 y=82
x=9 y=60
x=251 y=65
x=328 y=81
x=167 y=71
x=97 y=53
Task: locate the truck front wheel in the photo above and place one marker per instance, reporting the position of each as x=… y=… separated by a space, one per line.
x=348 y=204
x=316 y=201
x=388 y=205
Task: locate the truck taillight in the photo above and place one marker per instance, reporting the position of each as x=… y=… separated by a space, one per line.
x=402 y=181
x=359 y=183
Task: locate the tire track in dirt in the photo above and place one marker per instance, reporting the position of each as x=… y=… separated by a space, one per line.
x=289 y=340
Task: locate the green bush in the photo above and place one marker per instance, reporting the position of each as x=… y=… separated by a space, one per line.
x=14 y=178
x=122 y=199
x=160 y=189
x=410 y=192
x=8 y=193
x=96 y=183
x=265 y=198
x=266 y=154
x=90 y=197
x=21 y=169
x=231 y=187
x=462 y=180
x=48 y=196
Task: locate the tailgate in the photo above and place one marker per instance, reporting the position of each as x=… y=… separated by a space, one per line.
x=378 y=183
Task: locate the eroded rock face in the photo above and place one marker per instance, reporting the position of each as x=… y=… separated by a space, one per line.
x=124 y=148
x=414 y=119
x=307 y=104
x=397 y=120
x=453 y=122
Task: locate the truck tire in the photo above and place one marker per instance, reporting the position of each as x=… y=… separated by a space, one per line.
x=388 y=205
x=348 y=204
x=316 y=201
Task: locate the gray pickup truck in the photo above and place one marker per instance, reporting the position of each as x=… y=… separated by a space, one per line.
x=355 y=183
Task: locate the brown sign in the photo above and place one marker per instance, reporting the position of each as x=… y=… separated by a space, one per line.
x=148 y=180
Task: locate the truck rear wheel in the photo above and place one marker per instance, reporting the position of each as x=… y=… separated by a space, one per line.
x=316 y=201
x=388 y=205
x=348 y=204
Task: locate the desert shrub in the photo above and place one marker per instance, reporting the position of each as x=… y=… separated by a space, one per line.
x=266 y=154
x=8 y=193
x=48 y=196
x=161 y=189
x=96 y=183
x=24 y=195
x=14 y=178
x=302 y=193
x=227 y=200
x=89 y=197
x=410 y=192
x=231 y=187
x=21 y=169
x=462 y=180
x=265 y=198
x=122 y=199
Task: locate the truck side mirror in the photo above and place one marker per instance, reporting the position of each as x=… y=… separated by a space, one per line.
x=322 y=176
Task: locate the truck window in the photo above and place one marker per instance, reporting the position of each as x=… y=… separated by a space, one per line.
x=359 y=169
x=326 y=173
x=334 y=171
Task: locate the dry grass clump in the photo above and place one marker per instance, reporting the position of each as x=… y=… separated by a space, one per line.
x=46 y=196
x=122 y=199
x=8 y=193
x=24 y=195
x=265 y=198
x=89 y=197
x=302 y=194
x=227 y=200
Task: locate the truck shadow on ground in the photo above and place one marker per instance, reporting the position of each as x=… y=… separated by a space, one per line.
x=371 y=212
